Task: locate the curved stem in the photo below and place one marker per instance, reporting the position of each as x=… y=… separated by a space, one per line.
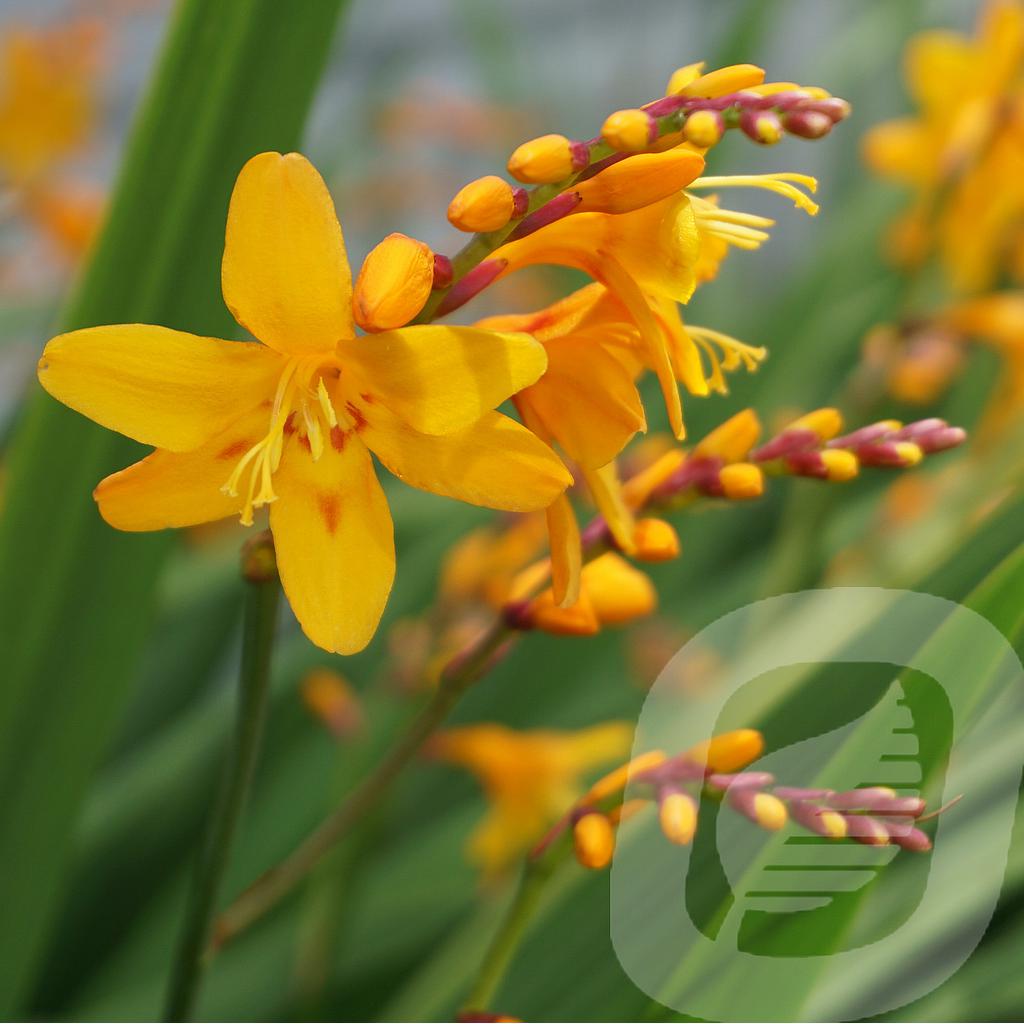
x=283 y=877
x=502 y=949
x=261 y=601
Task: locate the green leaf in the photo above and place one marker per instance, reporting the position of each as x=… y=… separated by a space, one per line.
x=236 y=77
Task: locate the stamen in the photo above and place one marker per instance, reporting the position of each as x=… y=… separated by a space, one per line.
x=782 y=184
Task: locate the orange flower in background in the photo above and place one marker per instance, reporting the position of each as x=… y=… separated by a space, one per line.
x=962 y=154
x=291 y=422
x=529 y=778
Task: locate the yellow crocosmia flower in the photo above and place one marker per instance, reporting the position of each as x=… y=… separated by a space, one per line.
x=291 y=422
x=650 y=251
x=960 y=152
x=530 y=779
x=996 y=320
x=47 y=101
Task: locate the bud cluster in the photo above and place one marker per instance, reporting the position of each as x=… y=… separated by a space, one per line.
x=874 y=816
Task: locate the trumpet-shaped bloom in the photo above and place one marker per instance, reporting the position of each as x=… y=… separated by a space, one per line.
x=529 y=778
x=961 y=153
x=290 y=422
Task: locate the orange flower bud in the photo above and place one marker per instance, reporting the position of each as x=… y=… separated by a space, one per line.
x=840 y=465
x=742 y=481
x=682 y=77
x=593 y=840
x=629 y=131
x=677 y=815
x=579 y=619
x=547 y=159
x=730 y=751
x=638 y=488
x=615 y=781
x=655 y=540
x=638 y=181
x=393 y=284
x=330 y=698
x=826 y=423
x=732 y=440
x=617 y=591
x=486 y=204
x=724 y=80
x=704 y=128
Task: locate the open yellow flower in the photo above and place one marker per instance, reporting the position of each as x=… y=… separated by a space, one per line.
x=291 y=422
x=530 y=778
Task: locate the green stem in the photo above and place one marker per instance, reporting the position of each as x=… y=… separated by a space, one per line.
x=261 y=601
x=495 y=964
x=283 y=877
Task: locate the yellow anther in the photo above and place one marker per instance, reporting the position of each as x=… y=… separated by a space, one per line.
x=326 y=407
x=784 y=184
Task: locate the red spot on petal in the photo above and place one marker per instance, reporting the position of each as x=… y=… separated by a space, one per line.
x=304 y=441
x=357 y=415
x=289 y=425
x=235 y=450
x=338 y=438
x=367 y=397
x=330 y=510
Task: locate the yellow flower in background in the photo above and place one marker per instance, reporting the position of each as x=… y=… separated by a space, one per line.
x=47 y=102
x=529 y=778
x=291 y=422
x=962 y=154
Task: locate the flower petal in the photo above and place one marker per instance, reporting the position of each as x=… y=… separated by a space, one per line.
x=441 y=379
x=587 y=400
x=161 y=387
x=335 y=542
x=566 y=552
x=172 y=489
x=496 y=462
x=285 y=274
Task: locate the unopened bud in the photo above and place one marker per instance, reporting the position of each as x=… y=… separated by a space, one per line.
x=677 y=815
x=732 y=440
x=617 y=591
x=593 y=840
x=866 y=830
x=394 y=283
x=890 y=454
x=682 y=77
x=742 y=481
x=638 y=181
x=911 y=839
x=629 y=131
x=820 y=820
x=763 y=126
x=704 y=128
x=547 y=159
x=826 y=423
x=486 y=204
x=728 y=752
x=807 y=124
x=543 y=613
x=840 y=465
x=763 y=809
x=834 y=108
x=655 y=540
x=726 y=80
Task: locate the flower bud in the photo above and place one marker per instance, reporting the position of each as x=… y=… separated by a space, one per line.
x=615 y=781
x=742 y=481
x=866 y=830
x=677 y=815
x=723 y=81
x=807 y=124
x=618 y=592
x=655 y=540
x=704 y=128
x=826 y=423
x=543 y=613
x=443 y=271
x=763 y=809
x=393 y=285
x=639 y=181
x=547 y=159
x=763 y=126
x=728 y=752
x=470 y=285
x=593 y=840
x=682 y=77
x=840 y=465
x=834 y=108
x=820 y=820
x=629 y=131
x=731 y=440
x=486 y=204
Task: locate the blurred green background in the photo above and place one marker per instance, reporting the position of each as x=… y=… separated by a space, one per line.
x=120 y=652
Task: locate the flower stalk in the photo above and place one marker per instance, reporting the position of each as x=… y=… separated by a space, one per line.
x=259 y=570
